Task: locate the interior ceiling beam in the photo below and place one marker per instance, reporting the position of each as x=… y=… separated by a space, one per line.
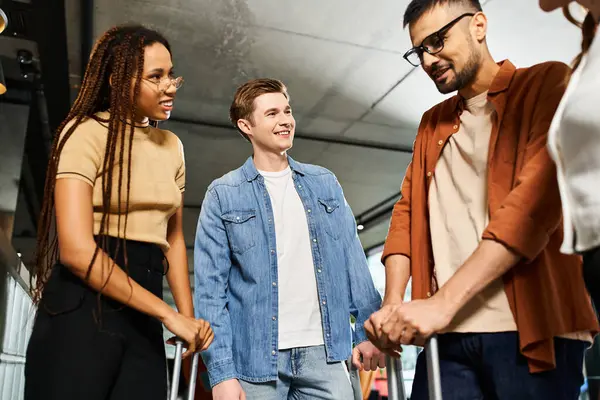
x=373 y=247
x=49 y=31
x=305 y=136
x=364 y=216
x=377 y=214
x=87 y=32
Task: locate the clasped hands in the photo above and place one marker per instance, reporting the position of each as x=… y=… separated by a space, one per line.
x=410 y=323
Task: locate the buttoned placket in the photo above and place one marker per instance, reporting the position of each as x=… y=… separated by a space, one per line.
x=441 y=142
x=273 y=268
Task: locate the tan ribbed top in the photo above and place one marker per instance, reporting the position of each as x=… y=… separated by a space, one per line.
x=157 y=177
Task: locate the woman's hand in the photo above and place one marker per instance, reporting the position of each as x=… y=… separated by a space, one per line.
x=197 y=333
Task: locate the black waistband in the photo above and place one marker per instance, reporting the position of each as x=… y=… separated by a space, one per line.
x=148 y=254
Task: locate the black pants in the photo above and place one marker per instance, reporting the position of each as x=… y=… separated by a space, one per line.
x=591 y=275
x=489 y=366
x=86 y=347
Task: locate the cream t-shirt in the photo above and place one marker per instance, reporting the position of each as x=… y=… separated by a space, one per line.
x=459 y=213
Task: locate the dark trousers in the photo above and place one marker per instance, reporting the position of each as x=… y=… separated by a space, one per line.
x=86 y=347
x=591 y=275
x=489 y=366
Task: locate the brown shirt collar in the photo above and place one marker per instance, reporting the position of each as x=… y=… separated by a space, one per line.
x=500 y=83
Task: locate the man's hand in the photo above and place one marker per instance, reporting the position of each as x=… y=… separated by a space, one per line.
x=413 y=322
x=228 y=390
x=373 y=328
x=408 y=323
x=366 y=356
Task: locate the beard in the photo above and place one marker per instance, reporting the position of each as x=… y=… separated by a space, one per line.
x=463 y=77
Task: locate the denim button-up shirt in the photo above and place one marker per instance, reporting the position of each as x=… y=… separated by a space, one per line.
x=235 y=265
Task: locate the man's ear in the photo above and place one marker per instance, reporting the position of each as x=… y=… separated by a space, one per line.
x=245 y=126
x=480 y=25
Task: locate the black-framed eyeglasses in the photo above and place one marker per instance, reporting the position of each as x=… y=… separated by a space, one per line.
x=433 y=43
x=162 y=85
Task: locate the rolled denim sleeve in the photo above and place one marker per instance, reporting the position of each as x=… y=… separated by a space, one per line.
x=212 y=264
x=364 y=298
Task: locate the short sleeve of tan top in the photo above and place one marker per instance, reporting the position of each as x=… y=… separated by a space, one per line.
x=157 y=177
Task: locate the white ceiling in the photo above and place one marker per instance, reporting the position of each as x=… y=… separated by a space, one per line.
x=342 y=63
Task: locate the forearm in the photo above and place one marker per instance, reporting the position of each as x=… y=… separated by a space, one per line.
x=397 y=275
x=109 y=278
x=490 y=261
x=179 y=278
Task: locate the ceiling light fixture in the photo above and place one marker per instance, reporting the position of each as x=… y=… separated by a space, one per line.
x=2 y=81
x=3 y=25
x=3 y=20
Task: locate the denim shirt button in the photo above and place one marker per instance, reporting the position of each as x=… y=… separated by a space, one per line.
x=315 y=240
x=274 y=318
x=309 y=210
x=319 y=271
x=274 y=283
x=272 y=251
x=324 y=302
x=273 y=352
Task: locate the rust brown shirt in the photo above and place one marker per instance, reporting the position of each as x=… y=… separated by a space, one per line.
x=545 y=290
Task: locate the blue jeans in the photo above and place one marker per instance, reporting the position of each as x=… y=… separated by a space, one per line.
x=304 y=373
x=490 y=366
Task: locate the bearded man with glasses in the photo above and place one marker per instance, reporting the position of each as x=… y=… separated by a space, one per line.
x=478 y=225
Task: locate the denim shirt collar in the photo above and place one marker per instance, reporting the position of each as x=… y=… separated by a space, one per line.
x=251 y=173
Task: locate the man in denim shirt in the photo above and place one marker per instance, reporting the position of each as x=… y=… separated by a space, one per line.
x=279 y=267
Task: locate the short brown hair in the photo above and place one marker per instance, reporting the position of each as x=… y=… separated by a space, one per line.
x=242 y=106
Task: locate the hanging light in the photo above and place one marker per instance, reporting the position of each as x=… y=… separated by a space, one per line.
x=3 y=21
x=3 y=25
x=2 y=81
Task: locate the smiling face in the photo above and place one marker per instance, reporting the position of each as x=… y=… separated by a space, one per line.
x=271 y=125
x=157 y=89
x=458 y=62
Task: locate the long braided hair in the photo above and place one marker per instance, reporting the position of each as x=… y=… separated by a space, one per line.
x=113 y=74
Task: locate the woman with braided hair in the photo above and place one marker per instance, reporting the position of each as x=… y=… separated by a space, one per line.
x=113 y=197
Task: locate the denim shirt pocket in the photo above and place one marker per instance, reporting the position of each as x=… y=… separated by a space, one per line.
x=241 y=229
x=331 y=217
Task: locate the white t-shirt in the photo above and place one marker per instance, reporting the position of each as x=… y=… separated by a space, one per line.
x=299 y=312
x=574 y=144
